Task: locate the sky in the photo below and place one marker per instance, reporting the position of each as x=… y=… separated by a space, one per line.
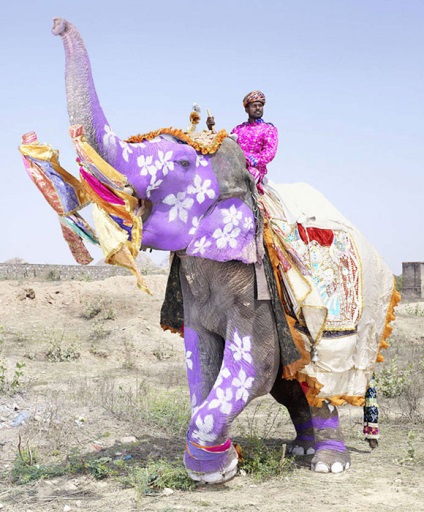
x=343 y=81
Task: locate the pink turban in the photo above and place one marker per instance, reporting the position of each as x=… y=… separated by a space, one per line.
x=253 y=96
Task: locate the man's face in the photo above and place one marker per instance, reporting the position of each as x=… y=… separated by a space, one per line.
x=255 y=109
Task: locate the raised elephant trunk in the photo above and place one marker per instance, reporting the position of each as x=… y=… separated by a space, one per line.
x=83 y=103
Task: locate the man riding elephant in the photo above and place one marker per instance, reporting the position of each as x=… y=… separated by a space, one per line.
x=257 y=139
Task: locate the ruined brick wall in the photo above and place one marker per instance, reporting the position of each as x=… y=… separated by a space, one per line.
x=413 y=279
x=30 y=272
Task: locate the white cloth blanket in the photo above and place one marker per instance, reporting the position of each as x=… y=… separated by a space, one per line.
x=336 y=286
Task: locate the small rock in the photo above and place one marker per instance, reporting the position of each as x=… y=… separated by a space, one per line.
x=243 y=472
x=66 y=508
x=1 y=505
x=167 y=491
x=128 y=440
x=78 y=504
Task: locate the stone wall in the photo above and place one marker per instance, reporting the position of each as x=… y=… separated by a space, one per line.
x=413 y=279
x=30 y=272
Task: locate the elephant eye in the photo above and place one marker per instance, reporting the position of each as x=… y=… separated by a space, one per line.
x=184 y=163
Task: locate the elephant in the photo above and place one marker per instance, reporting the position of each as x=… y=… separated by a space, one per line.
x=203 y=208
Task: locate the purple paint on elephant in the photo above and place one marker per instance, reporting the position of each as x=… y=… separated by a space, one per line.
x=331 y=444
x=229 y=395
x=194 y=370
x=225 y=233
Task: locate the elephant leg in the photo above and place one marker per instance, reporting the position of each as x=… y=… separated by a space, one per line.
x=210 y=456
x=331 y=453
x=290 y=394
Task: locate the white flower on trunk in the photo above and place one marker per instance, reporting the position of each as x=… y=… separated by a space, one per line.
x=145 y=164
x=153 y=185
x=189 y=362
x=222 y=400
x=231 y=215
x=180 y=206
x=126 y=150
x=201 y=245
x=204 y=432
x=226 y=236
x=241 y=348
x=164 y=162
x=109 y=137
x=201 y=190
x=242 y=383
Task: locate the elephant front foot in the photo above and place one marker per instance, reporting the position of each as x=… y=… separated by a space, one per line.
x=330 y=461
x=211 y=465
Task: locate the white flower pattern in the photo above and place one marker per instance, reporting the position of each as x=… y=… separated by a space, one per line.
x=204 y=432
x=188 y=360
x=201 y=245
x=231 y=215
x=126 y=150
x=164 y=162
x=242 y=383
x=109 y=137
x=201 y=190
x=241 y=348
x=222 y=400
x=145 y=164
x=227 y=236
x=180 y=206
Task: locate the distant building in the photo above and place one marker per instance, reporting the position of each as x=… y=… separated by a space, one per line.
x=413 y=279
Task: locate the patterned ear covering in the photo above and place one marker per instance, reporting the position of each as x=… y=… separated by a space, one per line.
x=226 y=233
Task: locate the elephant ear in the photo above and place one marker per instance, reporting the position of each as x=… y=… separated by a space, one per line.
x=226 y=232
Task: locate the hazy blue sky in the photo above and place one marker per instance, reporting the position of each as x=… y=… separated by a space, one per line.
x=343 y=79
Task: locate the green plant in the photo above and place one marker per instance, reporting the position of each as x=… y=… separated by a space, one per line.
x=399 y=282
x=158 y=475
x=391 y=380
x=59 y=352
x=415 y=309
x=91 y=310
x=264 y=459
x=14 y=385
x=99 y=332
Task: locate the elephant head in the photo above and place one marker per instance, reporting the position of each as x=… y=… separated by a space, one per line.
x=190 y=201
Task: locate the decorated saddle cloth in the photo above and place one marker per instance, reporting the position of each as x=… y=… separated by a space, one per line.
x=337 y=293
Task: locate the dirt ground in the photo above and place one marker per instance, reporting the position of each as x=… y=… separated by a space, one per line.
x=85 y=343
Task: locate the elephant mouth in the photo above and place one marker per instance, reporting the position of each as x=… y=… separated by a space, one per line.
x=145 y=209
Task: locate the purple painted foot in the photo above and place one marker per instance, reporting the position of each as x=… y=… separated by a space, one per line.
x=211 y=465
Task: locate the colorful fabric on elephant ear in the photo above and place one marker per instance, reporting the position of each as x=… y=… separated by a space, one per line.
x=65 y=194
x=94 y=163
x=336 y=288
x=119 y=228
x=205 y=142
x=254 y=96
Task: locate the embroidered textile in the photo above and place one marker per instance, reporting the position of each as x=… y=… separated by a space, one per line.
x=259 y=142
x=337 y=292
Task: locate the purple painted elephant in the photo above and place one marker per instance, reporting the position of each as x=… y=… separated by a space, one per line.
x=201 y=207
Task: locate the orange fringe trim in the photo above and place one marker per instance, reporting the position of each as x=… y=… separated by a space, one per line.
x=205 y=149
x=174 y=331
x=387 y=331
